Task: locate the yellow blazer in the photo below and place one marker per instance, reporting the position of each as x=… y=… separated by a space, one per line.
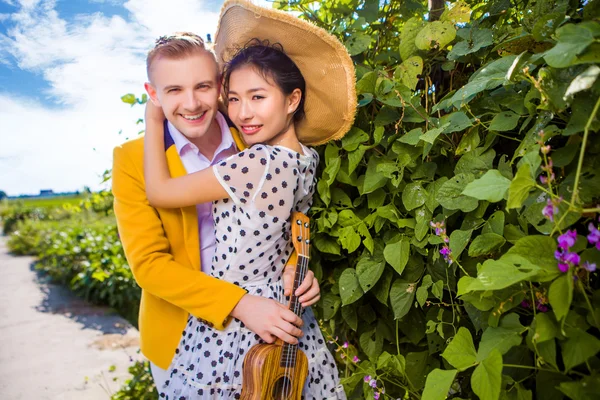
x=163 y=251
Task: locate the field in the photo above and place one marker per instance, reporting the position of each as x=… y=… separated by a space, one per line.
x=43 y=202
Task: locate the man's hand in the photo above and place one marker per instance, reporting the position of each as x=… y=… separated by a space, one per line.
x=154 y=113
x=268 y=318
x=309 y=291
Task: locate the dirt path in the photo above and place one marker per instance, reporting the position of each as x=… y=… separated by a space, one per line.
x=54 y=345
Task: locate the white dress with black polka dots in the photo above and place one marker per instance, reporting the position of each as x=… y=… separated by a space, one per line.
x=252 y=230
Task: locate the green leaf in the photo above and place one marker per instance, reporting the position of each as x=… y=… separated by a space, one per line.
x=331 y=304
x=366 y=84
x=468 y=142
x=492 y=186
x=407 y=37
x=476 y=39
x=373 y=179
x=505 y=121
x=350 y=317
x=354 y=138
x=585 y=389
x=487 y=377
x=458 y=241
x=128 y=98
x=437 y=34
x=572 y=40
x=397 y=254
x=500 y=274
x=488 y=77
x=461 y=353
x=485 y=244
x=545 y=328
x=349 y=286
x=413 y=196
x=538 y=250
x=561 y=295
x=499 y=339
x=455 y=122
x=431 y=135
x=438 y=384
x=578 y=348
x=355 y=157
x=520 y=187
x=450 y=194
x=358 y=42
x=402 y=295
x=583 y=81
x=371 y=347
x=326 y=244
x=349 y=239
x=408 y=72
x=369 y=270
x=413 y=137
x=458 y=12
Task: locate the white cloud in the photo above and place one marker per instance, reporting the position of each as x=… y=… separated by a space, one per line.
x=89 y=64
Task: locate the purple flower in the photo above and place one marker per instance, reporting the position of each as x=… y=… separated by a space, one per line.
x=542 y=308
x=376 y=395
x=594 y=236
x=367 y=378
x=525 y=304
x=563 y=267
x=345 y=345
x=549 y=210
x=445 y=251
x=355 y=359
x=567 y=240
x=591 y=267
x=373 y=383
x=565 y=259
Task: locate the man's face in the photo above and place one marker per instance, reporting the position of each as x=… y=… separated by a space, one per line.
x=187 y=89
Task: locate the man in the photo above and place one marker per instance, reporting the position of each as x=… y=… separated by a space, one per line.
x=167 y=247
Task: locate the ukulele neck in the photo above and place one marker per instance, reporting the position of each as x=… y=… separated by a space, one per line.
x=288 y=357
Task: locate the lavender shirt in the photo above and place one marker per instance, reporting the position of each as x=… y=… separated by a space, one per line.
x=194 y=161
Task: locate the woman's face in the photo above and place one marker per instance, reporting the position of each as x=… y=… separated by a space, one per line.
x=260 y=110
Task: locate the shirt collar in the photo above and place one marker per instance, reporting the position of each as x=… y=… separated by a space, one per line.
x=182 y=143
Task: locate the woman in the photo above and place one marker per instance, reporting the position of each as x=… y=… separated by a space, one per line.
x=254 y=193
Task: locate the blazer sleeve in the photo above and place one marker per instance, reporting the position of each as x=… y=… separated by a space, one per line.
x=147 y=251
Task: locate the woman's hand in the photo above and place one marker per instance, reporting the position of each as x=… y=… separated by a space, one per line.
x=309 y=291
x=268 y=318
x=154 y=113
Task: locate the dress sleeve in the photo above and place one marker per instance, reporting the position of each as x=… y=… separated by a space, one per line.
x=241 y=175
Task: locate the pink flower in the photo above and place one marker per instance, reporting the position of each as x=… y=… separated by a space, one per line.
x=355 y=359
x=345 y=345
x=376 y=395
x=367 y=378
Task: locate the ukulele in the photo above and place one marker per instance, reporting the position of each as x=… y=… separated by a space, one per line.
x=278 y=371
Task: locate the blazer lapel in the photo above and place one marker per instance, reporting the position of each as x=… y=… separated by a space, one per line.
x=189 y=214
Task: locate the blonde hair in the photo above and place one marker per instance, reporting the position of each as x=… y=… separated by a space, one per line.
x=177 y=46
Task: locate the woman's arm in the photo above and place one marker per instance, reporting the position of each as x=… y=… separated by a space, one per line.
x=161 y=189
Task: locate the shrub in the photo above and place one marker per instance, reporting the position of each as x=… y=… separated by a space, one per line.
x=450 y=223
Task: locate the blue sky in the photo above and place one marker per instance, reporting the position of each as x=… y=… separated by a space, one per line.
x=64 y=64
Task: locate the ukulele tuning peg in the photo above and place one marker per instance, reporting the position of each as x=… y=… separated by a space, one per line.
x=299 y=238
x=307 y=241
x=298 y=222
x=306 y=224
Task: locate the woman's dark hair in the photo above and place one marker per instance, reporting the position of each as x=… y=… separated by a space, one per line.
x=271 y=62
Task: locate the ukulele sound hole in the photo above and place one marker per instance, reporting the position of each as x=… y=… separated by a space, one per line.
x=282 y=388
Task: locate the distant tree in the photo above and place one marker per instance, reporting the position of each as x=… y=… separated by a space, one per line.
x=3 y=195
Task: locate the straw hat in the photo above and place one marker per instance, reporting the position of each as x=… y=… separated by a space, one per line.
x=330 y=102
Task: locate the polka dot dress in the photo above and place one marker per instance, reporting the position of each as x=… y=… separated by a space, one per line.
x=252 y=229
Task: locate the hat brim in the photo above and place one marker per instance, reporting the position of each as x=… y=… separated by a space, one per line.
x=330 y=98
